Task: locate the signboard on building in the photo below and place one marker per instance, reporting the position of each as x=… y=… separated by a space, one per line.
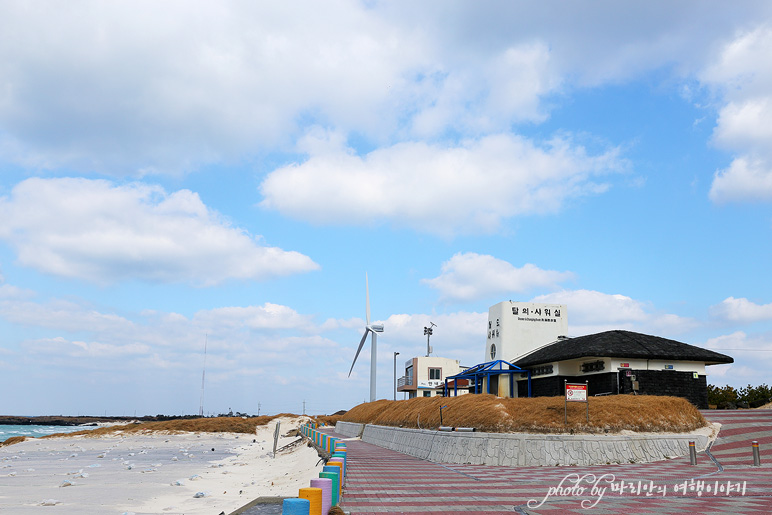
x=576 y=392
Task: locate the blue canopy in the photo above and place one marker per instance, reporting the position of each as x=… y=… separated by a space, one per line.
x=488 y=369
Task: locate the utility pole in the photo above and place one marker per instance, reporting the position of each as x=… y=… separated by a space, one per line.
x=395 y=375
x=428 y=332
x=304 y=406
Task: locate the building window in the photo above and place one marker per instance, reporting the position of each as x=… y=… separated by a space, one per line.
x=435 y=373
x=593 y=366
x=427 y=394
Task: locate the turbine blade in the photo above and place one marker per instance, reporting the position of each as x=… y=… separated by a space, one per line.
x=361 y=344
x=367 y=293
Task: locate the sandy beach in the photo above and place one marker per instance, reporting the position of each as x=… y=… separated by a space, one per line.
x=191 y=473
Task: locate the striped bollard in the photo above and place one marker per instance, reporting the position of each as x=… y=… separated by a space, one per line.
x=756 y=455
x=692 y=454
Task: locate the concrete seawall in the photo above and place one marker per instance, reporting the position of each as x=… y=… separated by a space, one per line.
x=349 y=429
x=525 y=450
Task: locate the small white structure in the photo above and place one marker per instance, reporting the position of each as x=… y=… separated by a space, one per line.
x=517 y=328
x=425 y=376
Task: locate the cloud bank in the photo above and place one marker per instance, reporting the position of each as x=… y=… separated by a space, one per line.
x=101 y=232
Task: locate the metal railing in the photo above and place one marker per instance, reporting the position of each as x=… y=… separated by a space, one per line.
x=404 y=381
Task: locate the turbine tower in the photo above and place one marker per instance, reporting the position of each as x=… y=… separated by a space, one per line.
x=372 y=330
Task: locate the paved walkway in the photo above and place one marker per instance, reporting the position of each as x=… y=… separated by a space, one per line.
x=384 y=481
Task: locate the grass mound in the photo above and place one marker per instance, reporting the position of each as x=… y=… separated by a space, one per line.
x=202 y=425
x=489 y=413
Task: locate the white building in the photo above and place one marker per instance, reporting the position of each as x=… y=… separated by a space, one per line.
x=517 y=328
x=425 y=375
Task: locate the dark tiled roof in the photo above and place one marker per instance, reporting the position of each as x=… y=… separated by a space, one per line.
x=621 y=344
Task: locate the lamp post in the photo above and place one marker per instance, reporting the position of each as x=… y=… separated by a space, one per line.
x=395 y=375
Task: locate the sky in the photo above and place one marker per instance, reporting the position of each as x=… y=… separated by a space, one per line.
x=190 y=186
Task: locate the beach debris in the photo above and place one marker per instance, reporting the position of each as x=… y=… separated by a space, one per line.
x=130 y=466
x=158 y=464
x=151 y=469
x=50 y=502
x=73 y=472
x=128 y=513
x=83 y=475
x=101 y=455
x=94 y=466
x=194 y=477
x=74 y=455
x=199 y=495
x=174 y=458
x=12 y=474
x=66 y=483
x=179 y=482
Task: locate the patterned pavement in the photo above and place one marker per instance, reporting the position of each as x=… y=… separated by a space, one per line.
x=723 y=481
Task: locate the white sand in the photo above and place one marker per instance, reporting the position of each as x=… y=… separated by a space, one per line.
x=235 y=473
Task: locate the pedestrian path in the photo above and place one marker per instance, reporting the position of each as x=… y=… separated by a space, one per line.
x=384 y=481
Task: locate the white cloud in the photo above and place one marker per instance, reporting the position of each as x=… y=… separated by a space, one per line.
x=752 y=354
x=741 y=310
x=746 y=179
x=471 y=276
x=268 y=316
x=97 y=231
x=139 y=87
x=593 y=311
x=742 y=76
x=468 y=188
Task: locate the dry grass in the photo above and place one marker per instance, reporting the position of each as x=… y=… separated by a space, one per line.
x=202 y=425
x=12 y=440
x=489 y=413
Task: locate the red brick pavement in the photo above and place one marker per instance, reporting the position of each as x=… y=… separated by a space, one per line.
x=384 y=481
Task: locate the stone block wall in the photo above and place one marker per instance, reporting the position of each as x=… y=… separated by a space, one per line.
x=528 y=450
x=349 y=429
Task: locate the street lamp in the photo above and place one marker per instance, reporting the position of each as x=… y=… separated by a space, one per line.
x=395 y=375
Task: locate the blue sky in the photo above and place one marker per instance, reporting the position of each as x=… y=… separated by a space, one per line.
x=185 y=172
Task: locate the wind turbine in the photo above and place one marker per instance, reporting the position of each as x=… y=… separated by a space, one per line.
x=372 y=330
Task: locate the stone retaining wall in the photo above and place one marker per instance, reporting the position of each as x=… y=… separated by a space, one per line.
x=527 y=450
x=349 y=429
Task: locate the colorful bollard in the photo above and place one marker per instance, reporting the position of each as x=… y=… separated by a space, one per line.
x=337 y=462
x=295 y=507
x=332 y=475
x=337 y=472
x=342 y=457
x=325 y=485
x=314 y=496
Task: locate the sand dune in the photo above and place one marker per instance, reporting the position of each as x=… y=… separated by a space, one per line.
x=153 y=473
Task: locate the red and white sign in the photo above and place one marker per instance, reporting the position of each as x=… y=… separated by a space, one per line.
x=576 y=392
x=624 y=365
